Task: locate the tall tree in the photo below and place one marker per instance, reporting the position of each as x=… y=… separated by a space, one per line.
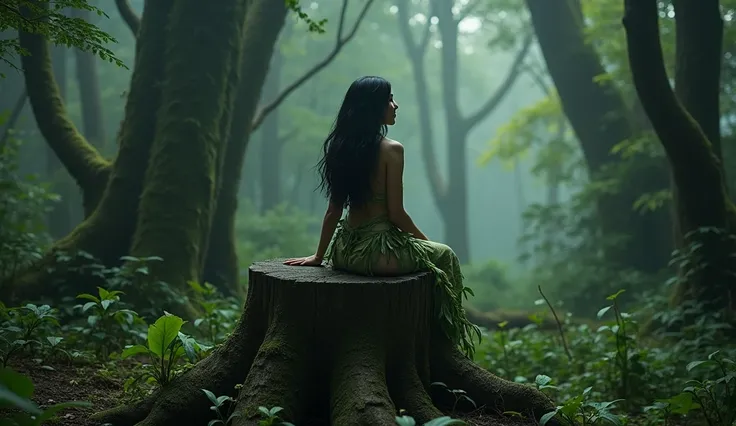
x=450 y=195
x=173 y=123
x=602 y=119
x=706 y=216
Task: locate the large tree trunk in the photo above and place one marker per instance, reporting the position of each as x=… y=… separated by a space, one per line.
x=179 y=193
x=107 y=232
x=263 y=24
x=291 y=348
x=702 y=202
x=601 y=119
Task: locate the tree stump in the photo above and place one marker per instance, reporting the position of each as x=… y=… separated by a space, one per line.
x=332 y=348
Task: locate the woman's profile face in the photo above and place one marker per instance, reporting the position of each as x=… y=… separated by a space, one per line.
x=391 y=107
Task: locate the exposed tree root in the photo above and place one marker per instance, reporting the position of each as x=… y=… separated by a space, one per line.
x=358 y=349
x=448 y=365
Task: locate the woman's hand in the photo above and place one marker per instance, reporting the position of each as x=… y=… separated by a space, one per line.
x=304 y=261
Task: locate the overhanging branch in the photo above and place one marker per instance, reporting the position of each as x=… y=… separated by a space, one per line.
x=500 y=93
x=340 y=42
x=83 y=162
x=129 y=16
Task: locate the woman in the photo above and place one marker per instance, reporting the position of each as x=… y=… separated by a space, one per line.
x=362 y=170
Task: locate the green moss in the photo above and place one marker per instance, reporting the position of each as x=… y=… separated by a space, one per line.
x=81 y=159
x=175 y=208
x=264 y=22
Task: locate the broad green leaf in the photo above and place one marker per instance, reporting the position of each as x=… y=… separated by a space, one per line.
x=133 y=350
x=11 y=399
x=444 y=421
x=162 y=333
x=88 y=297
x=16 y=382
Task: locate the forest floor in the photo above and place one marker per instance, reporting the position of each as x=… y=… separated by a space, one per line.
x=94 y=383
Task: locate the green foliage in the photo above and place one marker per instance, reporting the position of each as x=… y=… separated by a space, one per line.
x=490 y=284
x=218 y=405
x=280 y=232
x=22 y=329
x=50 y=20
x=167 y=345
x=611 y=374
x=24 y=203
x=16 y=391
x=313 y=26
x=270 y=417
x=219 y=315
x=108 y=322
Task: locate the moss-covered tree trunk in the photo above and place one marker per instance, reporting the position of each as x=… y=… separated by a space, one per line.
x=333 y=348
x=263 y=25
x=703 y=204
x=179 y=193
x=601 y=119
x=158 y=194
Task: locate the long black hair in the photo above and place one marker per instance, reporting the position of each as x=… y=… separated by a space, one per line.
x=350 y=152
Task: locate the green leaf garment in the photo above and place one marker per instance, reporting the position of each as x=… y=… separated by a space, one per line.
x=358 y=249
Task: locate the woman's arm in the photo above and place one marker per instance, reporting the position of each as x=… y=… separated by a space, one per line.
x=329 y=223
x=395 y=191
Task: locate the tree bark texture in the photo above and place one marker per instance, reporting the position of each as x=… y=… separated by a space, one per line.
x=107 y=232
x=601 y=119
x=336 y=348
x=702 y=201
x=263 y=25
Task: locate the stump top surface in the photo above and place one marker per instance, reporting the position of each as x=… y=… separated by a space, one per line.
x=275 y=268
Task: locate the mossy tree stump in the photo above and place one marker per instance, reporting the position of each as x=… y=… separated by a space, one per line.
x=340 y=349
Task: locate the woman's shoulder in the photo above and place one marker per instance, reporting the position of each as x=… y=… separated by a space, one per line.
x=391 y=145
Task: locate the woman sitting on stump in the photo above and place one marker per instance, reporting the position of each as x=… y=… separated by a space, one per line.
x=362 y=170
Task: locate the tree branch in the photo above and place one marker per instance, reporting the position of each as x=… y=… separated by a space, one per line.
x=339 y=44
x=469 y=9
x=676 y=129
x=129 y=16
x=500 y=93
x=83 y=162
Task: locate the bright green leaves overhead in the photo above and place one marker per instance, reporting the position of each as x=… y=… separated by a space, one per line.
x=51 y=20
x=314 y=26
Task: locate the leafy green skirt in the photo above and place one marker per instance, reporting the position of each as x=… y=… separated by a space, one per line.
x=379 y=248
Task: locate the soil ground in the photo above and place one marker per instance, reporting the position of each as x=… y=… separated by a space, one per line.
x=104 y=389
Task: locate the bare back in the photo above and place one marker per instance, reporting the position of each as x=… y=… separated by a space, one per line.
x=377 y=205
